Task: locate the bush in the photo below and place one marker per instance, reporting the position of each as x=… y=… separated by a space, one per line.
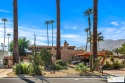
x=107 y=66
x=117 y=65
x=61 y=63
x=58 y=67
x=81 y=68
x=20 y=68
x=5 y=62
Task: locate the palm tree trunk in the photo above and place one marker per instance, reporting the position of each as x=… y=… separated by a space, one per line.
x=52 y=34
x=47 y=35
x=8 y=43
x=86 y=41
x=58 y=50
x=95 y=19
x=4 y=36
x=15 y=36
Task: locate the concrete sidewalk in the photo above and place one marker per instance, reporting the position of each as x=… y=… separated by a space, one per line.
x=115 y=72
x=4 y=72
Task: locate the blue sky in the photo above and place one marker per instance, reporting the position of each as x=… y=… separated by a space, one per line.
x=34 y=13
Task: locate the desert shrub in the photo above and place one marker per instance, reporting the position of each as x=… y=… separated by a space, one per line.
x=58 y=67
x=46 y=57
x=20 y=68
x=35 y=67
x=5 y=62
x=61 y=63
x=81 y=68
x=117 y=65
x=107 y=65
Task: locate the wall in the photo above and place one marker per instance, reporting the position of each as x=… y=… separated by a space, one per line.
x=67 y=54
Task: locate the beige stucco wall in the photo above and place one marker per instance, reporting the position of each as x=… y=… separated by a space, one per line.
x=67 y=54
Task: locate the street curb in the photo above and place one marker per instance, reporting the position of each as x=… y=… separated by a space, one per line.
x=41 y=77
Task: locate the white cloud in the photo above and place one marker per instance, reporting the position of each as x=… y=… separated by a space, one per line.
x=115 y=23
x=5 y=11
x=71 y=27
x=113 y=32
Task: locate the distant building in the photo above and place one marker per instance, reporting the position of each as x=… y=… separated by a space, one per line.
x=65 y=47
x=66 y=51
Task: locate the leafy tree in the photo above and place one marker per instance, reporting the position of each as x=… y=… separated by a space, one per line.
x=46 y=57
x=116 y=50
x=122 y=51
x=23 y=44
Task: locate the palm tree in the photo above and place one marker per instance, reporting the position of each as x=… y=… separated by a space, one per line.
x=58 y=50
x=4 y=20
x=52 y=21
x=8 y=40
x=15 y=36
x=87 y=30
x=88 y=14
x=2 y=45
x=99 y=38
x=47 y=23
x=95 y=20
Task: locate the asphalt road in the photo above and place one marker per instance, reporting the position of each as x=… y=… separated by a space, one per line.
x=53 y=80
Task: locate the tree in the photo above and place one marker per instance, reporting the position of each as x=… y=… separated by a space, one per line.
x=46 y=57
x=23 y=44
x=52 y=21
x=122 y=51
x=8 y=40
x=95 y=22
x=47 y=23
x=116 y=50
x=4 y=20
x=87 y=30
x=58 y=50
x=2 y=45
x=88 y=14
x=99 y=38
x=15 y=35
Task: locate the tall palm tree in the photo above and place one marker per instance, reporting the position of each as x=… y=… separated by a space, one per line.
x=99 y=38
x=88 y=13
x=47 y=23
x=87 y=30
x=52 y=21
x=4 y=20
x=58 y=50
x=15 y=35
x=95 y=22
x=2 y=45
x=8 y=40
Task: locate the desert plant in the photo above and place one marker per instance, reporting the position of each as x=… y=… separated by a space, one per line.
x=46 y=57
x=117 y=65
x=107 y=65
x=20 y=68
x=61 y=63
x=81 y=68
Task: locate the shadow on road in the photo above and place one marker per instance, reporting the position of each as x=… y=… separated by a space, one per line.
x=28 y=80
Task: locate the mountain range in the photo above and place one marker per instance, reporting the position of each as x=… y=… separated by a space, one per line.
x=106 y=45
